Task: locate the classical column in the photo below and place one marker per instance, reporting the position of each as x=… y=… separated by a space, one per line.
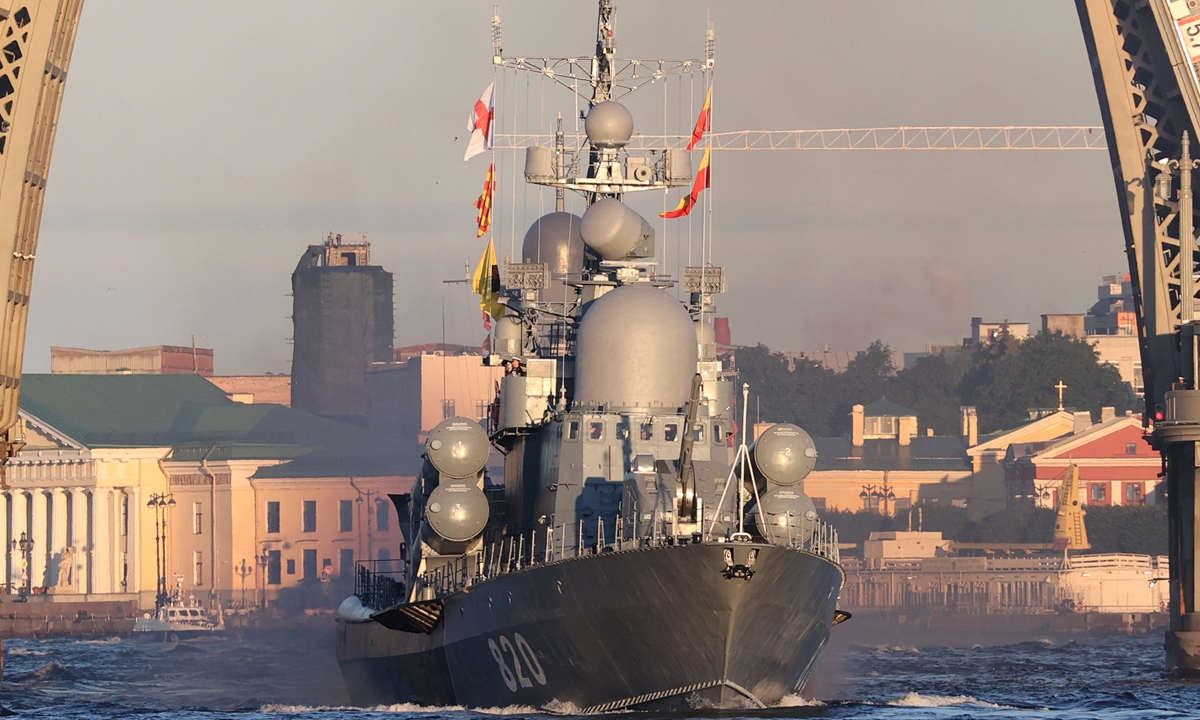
x=79 y=538
x=5 y=540
x=20 y=524
x=133 y=541
x=58 y=534
x=102 y=555
x=40 y=533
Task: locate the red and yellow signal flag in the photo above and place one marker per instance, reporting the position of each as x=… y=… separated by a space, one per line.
x=484 y=203
x=487 y=285
x=704 y=122
x=702 y=182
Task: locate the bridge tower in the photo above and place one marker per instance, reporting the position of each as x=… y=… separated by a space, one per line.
x=1142 y=63
x=36 y=39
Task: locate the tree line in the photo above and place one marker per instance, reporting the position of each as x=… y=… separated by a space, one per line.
x=1003 y=378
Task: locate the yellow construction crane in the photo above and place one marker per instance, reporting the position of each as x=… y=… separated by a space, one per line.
x=36 y=39
x=1070 y=531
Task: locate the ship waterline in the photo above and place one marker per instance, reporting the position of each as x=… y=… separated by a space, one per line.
x=663 y=628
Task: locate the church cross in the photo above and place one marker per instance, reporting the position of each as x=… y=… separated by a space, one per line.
x=1060 y=387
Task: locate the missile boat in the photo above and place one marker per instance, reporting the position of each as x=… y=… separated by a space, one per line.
x=640 y=553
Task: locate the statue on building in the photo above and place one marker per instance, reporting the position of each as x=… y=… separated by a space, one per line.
x=66 y=569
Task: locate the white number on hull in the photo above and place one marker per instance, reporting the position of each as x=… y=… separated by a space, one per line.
x=520 y=652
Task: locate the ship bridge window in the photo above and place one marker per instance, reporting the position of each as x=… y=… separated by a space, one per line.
x=670 y=432
x=718 y=434
x=596 y=430
x=572 y=430
x=623 y=430
x=698 y=433
x=647 y=433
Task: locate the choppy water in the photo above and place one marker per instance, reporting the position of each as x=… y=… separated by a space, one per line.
x=293 y=675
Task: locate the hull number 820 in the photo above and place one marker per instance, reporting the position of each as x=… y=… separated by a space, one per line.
x=524 y=664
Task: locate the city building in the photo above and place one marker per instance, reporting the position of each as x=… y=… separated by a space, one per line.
x=1069 y=324
x=343 y=322
x=982 y=332
x=408 y=399
x=1116 y=465
x=122 y=473
x=154 y=360
x=272 y=389
x=886 y=466
x=1113 y=313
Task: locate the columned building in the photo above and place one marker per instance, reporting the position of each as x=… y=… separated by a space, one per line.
x=124 y=478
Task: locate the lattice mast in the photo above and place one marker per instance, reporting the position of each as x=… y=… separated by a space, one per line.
x=36 y=40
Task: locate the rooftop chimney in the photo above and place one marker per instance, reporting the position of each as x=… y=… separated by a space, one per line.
x=856 y=425
x=970 y=426
x=1107 y=413
x=1083 y=421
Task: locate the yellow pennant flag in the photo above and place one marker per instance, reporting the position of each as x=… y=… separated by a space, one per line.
x=487 y=285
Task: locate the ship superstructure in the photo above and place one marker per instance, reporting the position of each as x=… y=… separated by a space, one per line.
x=636 y=555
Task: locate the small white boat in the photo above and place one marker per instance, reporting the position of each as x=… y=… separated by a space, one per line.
x=176 y=620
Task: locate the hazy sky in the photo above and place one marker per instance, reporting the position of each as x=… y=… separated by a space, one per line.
x=202 y=146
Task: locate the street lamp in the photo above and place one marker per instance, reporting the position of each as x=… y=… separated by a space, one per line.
x=161 y=502
x=25 y=547
x=243 y=570
x=264 y=561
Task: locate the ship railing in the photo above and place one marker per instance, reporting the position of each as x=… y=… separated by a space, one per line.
x=378 y=584
x=448 y=578
x=593 y=537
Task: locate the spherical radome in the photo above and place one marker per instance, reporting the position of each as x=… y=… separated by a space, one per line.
x=609 y=125
x=635 y=348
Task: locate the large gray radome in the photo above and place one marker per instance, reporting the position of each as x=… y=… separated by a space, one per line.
x=554 y=239
x=609 y=125
x=636 y=348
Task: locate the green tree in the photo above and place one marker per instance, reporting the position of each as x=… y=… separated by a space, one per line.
x=930 y=388
x=1006 y=382
x=1127 y=529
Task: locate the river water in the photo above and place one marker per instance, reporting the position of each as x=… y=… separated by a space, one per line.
x=292 y=674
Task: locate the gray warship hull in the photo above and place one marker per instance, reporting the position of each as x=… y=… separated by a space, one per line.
x=656 y=628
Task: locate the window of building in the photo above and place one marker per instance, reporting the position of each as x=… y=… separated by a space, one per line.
x=670 y=432
x=1131 y=448
x=481 y=410
x=647 y=433
x=197 y=568
x=273 y=517
x=596 y=431
x=718 y=434
x=310 y=516
x=345 y=516
x=623 y=430
x=310 y=565
x=125 y=515
x=291 y=566
x=1133 y=493
x=327 y=568
x=447 y=409
x=274 y=568
x=383 y=518
x=346 y=562
x=572 y=430
x=197 y=518
x=1099 y=492
x=698 y=433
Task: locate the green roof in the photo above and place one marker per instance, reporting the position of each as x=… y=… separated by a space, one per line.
x=886 y=408
x=196 y=419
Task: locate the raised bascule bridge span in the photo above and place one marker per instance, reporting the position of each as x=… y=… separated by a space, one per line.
x=1143 y=56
